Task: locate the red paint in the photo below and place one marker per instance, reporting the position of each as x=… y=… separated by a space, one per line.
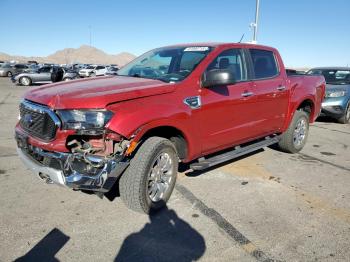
x=225 y=118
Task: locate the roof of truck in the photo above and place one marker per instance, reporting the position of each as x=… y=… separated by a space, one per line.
x=221 y=44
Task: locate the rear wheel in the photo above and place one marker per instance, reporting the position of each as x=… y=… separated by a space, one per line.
x=294 y=139
x=25 y=81
x=149 y=181
x=9 y=73
x=345 y=119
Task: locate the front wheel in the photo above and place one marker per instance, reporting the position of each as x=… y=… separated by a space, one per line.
x=345 y=119
x=25 y=81
x=294 y=139
x=149 y=180
x=9 y=74
x=67 y=79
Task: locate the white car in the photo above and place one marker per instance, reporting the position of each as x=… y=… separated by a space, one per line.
x=93 y=70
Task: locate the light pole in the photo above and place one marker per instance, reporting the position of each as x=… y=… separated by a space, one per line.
x=255 y=24
x=90 y=34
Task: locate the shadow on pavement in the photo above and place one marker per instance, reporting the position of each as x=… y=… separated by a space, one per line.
x=165 y=238
x=47 y=248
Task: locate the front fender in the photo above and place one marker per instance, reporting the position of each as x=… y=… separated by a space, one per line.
x=134 y=118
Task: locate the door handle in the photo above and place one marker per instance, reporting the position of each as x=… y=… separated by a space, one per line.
x=247 y=94
x=281 y=88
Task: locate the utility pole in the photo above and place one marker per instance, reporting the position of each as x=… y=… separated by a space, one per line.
x=255 y=24
x=90 y=34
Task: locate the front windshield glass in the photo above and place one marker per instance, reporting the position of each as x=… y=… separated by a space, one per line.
x=90 y=67
x=5 y=65
x=170 y=64
x=334 y=77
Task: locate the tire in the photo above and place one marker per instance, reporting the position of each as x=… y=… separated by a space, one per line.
x=9 y=74
x=25 y=81
x=138 y=186
x=92 y=75
x=67 y=79
x=294 y=139
x=345 y=119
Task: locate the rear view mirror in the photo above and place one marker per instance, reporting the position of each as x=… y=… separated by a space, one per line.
x=218 y=77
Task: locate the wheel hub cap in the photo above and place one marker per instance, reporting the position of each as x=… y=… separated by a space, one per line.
x=300 y=132
x=160 y=177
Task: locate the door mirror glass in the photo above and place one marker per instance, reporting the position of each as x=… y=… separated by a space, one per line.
x=218 y=77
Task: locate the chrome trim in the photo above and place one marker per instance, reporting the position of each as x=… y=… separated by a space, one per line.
x=247 y=94
x=111 y=169
x=42 y=109
x=51 y=175
x=281 y=88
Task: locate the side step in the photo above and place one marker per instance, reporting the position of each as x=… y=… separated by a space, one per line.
x=236 y=152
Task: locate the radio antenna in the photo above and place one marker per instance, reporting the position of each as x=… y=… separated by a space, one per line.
x=241 y=39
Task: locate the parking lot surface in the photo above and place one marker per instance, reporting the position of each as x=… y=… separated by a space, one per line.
x=262 y=207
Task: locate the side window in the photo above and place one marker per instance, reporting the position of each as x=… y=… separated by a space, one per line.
x=99 y=67
x=264 y=63
x=232 y=60
x=45 y=69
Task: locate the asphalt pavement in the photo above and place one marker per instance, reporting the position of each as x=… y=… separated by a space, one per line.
x=262 y=207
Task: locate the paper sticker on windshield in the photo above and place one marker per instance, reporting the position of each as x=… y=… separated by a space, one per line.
x=196 y=49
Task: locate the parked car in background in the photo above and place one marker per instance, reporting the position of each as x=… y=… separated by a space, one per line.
x=337 y=99
x=9 y=70
x=6 y=69
x=86 y=72
x=112 y=70
x=100 y=70
x=44 y=75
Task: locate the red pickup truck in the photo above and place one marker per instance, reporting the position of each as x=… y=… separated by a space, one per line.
x=201 y=104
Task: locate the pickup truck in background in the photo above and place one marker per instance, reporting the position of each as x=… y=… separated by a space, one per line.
x=201 y=104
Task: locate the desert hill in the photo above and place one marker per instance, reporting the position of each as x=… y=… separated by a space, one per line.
x=83 y=54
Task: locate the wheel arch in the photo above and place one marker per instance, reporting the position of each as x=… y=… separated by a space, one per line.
x=174 y=134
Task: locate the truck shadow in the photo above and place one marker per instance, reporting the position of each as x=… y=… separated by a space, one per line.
x=47 y=248
x=326 y=119
x=166 y=237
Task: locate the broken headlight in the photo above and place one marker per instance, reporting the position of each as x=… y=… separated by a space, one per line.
x=84 y=119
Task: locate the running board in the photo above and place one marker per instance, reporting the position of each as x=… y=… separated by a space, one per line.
x=236 y=152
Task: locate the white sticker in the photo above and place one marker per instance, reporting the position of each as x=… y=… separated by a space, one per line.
x=196 y=49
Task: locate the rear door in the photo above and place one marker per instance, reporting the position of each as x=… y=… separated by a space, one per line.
x=227 y=111
x=270 y=89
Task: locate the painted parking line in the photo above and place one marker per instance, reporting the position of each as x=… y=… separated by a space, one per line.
x=222 y=223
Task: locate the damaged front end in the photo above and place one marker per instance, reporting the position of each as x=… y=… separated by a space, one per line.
x=79 y=170
x=93 y=161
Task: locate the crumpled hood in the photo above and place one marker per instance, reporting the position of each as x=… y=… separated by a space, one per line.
x=97 y=92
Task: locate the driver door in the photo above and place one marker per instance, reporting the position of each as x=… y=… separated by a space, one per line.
x=227 y=111
x=44 y=74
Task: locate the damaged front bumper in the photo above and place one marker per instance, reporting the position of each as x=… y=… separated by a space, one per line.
x=70 y=169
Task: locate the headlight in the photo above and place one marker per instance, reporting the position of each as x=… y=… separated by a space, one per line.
x=336 y=94
x=84 y=119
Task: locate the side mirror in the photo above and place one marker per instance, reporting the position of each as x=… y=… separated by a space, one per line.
x=218 y=77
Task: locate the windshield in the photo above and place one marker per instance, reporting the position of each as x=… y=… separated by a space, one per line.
x=6 y=65
x=333 y=76
x=90 y=67
x=170 y=64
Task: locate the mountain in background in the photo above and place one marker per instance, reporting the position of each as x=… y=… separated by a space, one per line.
x=84 y=54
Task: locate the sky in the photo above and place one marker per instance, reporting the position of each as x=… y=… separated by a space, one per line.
x=306 y=32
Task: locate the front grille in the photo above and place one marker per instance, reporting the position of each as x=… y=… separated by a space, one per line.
x=37 y=120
